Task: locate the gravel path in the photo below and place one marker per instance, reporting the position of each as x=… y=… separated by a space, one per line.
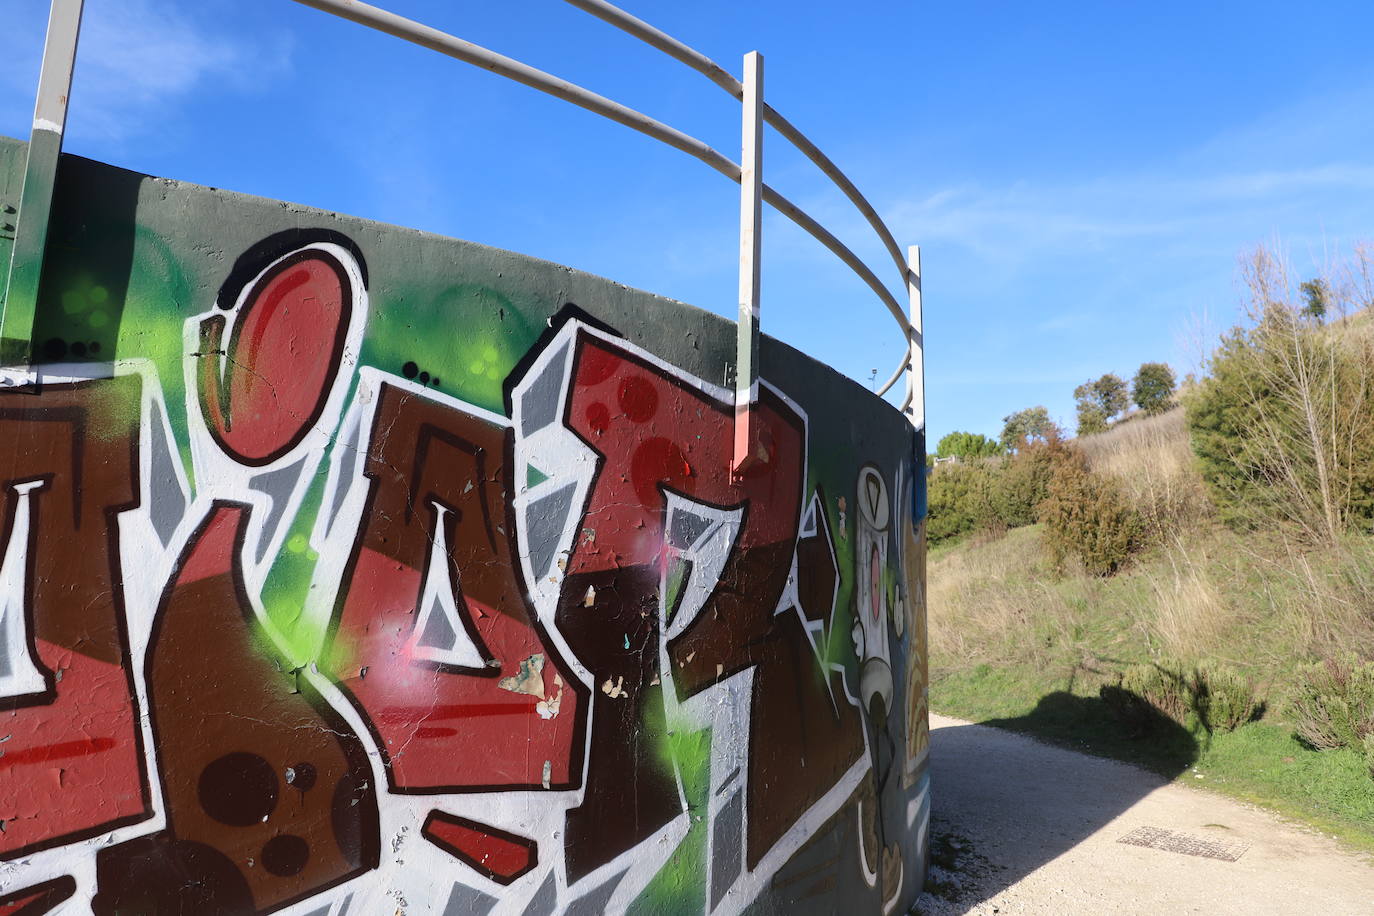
x=1023 y=827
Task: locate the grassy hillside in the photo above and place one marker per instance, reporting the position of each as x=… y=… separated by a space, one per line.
x=1015 y=643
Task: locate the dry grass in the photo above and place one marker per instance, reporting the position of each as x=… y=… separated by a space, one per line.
x=995 y=599
x=1320 y=599
x=1151 y=458
x=1262 y=601
x=1187 y=614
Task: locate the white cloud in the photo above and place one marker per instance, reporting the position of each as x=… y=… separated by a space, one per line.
x=137 y=61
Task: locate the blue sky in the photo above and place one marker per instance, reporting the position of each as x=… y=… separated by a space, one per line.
x=1082 y=177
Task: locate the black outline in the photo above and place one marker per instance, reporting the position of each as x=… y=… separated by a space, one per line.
x=823 y=530
x=568 y=313
x=426 y=830
x=259 y=256
x=52 y=893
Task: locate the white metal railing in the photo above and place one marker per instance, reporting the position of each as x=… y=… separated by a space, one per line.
x=65 y=20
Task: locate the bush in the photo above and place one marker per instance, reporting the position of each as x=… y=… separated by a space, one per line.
x=1283 y=427
x=1098 y=401
x=1146 y=697
x=1211 y=697
x=967 y=445
x=1224 y=699
x=1023 y=480
x=958 y=499
x=1087 y=516
x=992 y=494
x=1091 y=420
x=1335 y=703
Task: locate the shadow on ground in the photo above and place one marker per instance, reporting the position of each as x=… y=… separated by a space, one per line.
x=1003 y=807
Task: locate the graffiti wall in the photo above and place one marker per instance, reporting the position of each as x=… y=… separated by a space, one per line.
x=350 y=570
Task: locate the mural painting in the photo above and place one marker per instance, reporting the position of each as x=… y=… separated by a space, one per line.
x=289 y=625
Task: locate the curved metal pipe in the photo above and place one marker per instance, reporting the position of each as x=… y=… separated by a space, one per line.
x=822 y=235
x=717 y=74
x=896 y=376
x=664 y=42
x=452 y=46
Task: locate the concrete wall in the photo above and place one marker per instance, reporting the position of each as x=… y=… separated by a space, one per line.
x=348 y=569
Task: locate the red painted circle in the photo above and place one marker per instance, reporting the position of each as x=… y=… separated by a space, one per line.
x=595 y=366
x=638 y=399
x=283 y=356
x=598 y=417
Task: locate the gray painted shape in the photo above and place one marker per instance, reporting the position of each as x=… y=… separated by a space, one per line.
x=543 y=902
x=346 y=453
x=544 y=523
x=826 y=869
x=468 y=901
x=593 y=903
x=347 y=902
x=278 y=486
x=726 y=855
x=5 y=669
x=322 y=911
x=539 y=405
x=685 y=527
x=167 y=503
x=438 y=631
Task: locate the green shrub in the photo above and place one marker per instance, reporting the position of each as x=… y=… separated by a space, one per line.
x=1022 y=481
x=1369 y=754
x=1334 y=703
x=1223 y=698
x=967 y=445
x=1283 y=427
x=1147 y=698
x=1168 y=691
x=991 y=494
x=958 y=499
x=1210 y=696
x=1087 y=516
x=1135 y=712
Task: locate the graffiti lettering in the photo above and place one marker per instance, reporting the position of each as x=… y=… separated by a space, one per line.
x=72 y=763
x=433 y=610
x=312 y=635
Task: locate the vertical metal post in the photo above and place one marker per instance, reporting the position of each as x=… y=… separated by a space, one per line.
x=750 y=240
x=40 y=175
x=916 y=374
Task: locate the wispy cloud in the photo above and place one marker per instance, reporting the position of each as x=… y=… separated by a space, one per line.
x=138 y=60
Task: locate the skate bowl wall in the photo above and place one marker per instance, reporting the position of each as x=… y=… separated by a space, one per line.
x=353 y=570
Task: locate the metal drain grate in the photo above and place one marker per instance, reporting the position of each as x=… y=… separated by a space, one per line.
x=1169 y=841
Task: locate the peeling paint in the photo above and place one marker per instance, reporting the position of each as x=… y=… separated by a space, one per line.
x=529 y=680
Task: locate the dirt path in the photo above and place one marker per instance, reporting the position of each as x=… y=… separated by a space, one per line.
x=1022 y=827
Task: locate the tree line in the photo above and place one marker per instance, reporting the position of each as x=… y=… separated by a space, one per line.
x=1099 y=401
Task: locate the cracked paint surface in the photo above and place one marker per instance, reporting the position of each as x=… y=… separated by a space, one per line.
x=349 y=570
